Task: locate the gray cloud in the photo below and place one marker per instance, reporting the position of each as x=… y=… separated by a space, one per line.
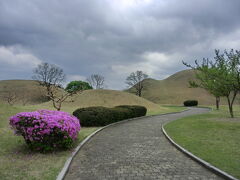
x=113 y=37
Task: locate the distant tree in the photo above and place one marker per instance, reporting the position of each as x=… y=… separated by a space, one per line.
x=135 y=80
x=221 y=77
x=49 y=74
x=9 y=95
x=51 y=77
x=77 y=86
x=96 y=81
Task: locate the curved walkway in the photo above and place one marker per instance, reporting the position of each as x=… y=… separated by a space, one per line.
x=136 y=150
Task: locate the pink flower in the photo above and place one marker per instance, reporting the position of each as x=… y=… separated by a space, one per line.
x=38 y=125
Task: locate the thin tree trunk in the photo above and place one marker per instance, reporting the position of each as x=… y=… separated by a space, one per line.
x=54 y=104
x=59 y=106
x=217 y=102
x=230 y=107
x=139 y=89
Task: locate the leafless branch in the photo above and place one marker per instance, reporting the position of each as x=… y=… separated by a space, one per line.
x=135 y=79
x=96 y=81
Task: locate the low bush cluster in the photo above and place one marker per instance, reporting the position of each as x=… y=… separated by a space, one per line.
x=102 y=116
x=46 y=130
x=190 y=103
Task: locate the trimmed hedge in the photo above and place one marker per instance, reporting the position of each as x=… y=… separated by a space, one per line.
x=136 y=111
x=190 y=103
x=102 y=116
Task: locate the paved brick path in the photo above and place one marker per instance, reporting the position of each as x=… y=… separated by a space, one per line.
x=136 y=150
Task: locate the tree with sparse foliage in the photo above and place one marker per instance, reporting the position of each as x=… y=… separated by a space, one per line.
x=206 y=79
x=96 y=81
x=221 y=77
x=51 y=77
x=77 y=86
x=135 y=80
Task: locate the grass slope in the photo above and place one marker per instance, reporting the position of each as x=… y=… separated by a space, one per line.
x=30 y=90
x=174 y=90
x=213 y=137
x=106 y=98
x=27 y=90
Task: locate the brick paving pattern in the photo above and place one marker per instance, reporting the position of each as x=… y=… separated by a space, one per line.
x=136 y=150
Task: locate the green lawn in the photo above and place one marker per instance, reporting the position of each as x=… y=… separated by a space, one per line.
x=213 y=137
x=17 y=162
x=167 y=109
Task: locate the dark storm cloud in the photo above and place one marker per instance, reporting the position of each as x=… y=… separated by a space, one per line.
x=114 y=37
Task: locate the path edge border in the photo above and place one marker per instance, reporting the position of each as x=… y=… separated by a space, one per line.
x=197 y=159
x=68 y=162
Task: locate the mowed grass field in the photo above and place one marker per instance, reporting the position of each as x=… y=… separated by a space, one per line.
x=213 y=137
x=17 y=162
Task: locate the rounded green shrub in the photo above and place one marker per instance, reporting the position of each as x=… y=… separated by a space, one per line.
x=75 y=86
x=102 y=116
x=136 y=111
x=190 y=103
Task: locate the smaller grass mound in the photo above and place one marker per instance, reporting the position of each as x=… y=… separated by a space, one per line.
x=102 y=116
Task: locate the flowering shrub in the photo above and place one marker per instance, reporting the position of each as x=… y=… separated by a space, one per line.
x=46 y=130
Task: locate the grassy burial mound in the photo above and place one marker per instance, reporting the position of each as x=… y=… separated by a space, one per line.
x=105 y=98
x=175 y=90
x=22 y=92
x=28 y=92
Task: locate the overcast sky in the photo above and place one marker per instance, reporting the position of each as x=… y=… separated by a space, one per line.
x=113 y=37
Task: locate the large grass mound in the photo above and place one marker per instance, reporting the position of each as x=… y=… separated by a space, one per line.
x=174 y=90
x=27 y=91
x=106 y=98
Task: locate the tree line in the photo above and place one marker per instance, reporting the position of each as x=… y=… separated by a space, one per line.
x=52 y=77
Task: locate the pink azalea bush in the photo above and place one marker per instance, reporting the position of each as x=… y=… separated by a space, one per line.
x=46 y=130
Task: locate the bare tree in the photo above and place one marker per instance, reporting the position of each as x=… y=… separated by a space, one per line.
x=11 y=97
x=96 y=81
x=51 y=77
x=135 y=80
